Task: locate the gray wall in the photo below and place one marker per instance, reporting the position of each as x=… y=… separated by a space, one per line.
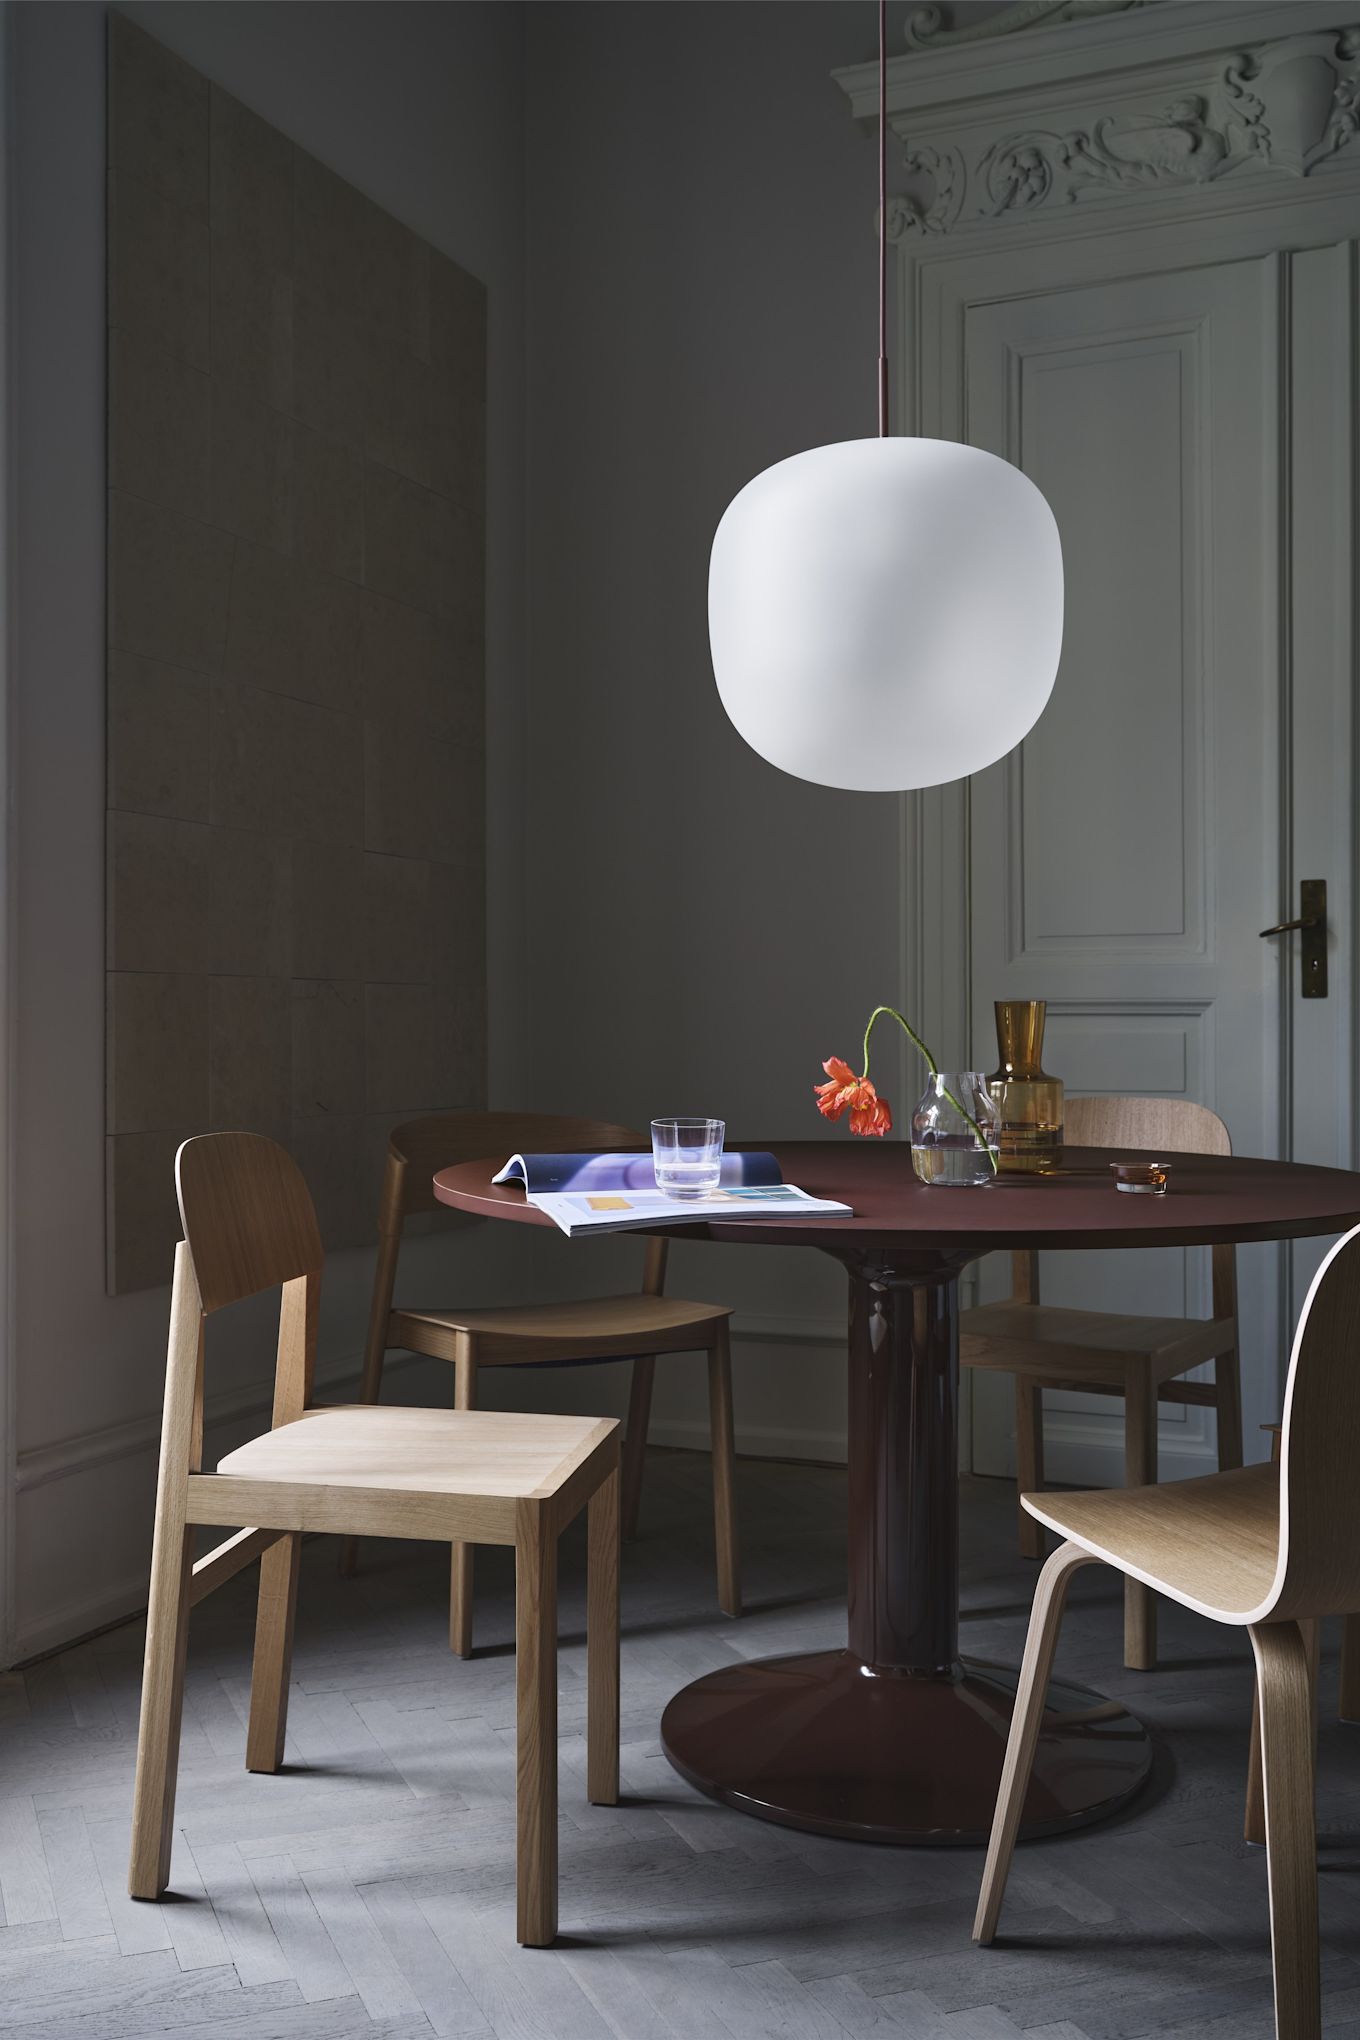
x=421 y=106
x=673 y=924
x=702 y=302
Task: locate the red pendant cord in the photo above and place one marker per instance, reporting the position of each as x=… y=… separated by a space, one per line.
x=882 y=219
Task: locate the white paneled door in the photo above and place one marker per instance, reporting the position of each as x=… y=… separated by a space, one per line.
x=1125 y=858
x=1127 y=261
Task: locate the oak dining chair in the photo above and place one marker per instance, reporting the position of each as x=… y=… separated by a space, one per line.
x=1269 y=1548
x=515 y=1480
x=1109 y=1353
x=635 y=1327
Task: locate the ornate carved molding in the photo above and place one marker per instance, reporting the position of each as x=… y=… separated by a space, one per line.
x=1286 y=106
x=1297 y=102
x=948 y=181
x=926 y=30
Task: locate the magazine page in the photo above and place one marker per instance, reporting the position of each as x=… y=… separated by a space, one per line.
x=540 y=1173
x=579 y=1213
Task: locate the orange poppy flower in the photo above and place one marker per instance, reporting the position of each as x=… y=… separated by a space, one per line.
x=846 y=1092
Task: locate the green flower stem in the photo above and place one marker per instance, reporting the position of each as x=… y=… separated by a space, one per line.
x=933 y=1067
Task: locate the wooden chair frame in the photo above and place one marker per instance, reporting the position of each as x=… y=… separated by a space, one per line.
x=1269 y=1549
x=416 y=1151
x=249 y=1226
x=1171 y=1125
x=1348 y=1697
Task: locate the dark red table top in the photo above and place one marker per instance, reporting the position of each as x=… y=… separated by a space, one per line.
x=1210 y=1198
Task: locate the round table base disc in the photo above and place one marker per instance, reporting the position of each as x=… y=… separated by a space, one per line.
x=829 y=1744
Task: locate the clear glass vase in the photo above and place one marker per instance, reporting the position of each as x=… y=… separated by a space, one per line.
x=945 y=1149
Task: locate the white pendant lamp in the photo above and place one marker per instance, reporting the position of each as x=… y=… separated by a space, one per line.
x=886 y=613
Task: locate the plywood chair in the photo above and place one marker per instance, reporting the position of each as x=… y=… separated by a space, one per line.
x=1266 y=1548
x=635 y=1327
x=1105 y=1353
x=515 y=1480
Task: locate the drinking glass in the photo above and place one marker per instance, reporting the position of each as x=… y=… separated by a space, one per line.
x=687 y=1155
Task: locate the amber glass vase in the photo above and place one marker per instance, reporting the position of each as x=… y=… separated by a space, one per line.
x=1029 y=1104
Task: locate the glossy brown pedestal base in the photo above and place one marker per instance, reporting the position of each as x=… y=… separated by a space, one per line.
x=825 y=1742
x=893 y=1739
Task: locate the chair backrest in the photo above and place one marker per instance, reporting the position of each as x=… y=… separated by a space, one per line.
x=419 y=1147
x=1319 y=1568
x=1172 y=1125
x=247 y=1214
x=249 y=1225
x=1168 y=1126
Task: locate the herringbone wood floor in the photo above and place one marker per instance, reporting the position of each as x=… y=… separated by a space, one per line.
x=369 y=1890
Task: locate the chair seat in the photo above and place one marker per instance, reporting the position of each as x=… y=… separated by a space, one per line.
x=434 y=1452
x=1212 y=1544
x=593 y=1327
x=1044 y=1339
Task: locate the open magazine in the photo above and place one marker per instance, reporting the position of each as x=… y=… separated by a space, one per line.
x=586 y=1194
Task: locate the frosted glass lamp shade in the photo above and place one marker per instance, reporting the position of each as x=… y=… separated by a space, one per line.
x=886 y=613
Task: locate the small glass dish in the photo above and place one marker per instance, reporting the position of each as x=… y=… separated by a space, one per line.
x=1140 y=1179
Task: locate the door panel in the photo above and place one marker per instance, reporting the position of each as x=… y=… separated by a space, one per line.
x=1321 y=655
x=1124 y=858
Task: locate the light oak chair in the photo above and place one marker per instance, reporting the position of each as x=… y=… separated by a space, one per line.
x=1268 y=1548
x=635 y=1327
x=249 y=1226
x=1105 y=1353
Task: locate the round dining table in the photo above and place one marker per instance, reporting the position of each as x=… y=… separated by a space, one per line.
x=897 y=1738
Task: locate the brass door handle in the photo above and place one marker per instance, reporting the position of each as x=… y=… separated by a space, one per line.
x=1312 y=925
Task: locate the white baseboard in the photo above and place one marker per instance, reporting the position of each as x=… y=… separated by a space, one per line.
x=759 y=1441
x=85 y=1453
x=70 y=1620
x=767 y=1328
x=1088 y=1453
x=89 y=1449
x=63 y=1621
x=84 y=1614
x=86 y=1450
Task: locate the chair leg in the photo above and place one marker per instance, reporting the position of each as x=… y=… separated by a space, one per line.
x=635 y=1440
x=1254 y=1820
x=167 y=1636
x=1254 y=1816
x=536 y=1728
x=1140 y=1470
x=1228 y=1390
x=461 y=1555
x=724 y=1496
x=602 y=1645
x=1029 y=1462
x=1287 y=1715
x=1349 y=1705
x=1049 y=1596
x=273 y=1665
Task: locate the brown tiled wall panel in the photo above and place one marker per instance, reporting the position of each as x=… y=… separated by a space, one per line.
x=296 y=861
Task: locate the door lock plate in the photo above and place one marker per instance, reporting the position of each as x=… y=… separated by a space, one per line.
x=1313 y=937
